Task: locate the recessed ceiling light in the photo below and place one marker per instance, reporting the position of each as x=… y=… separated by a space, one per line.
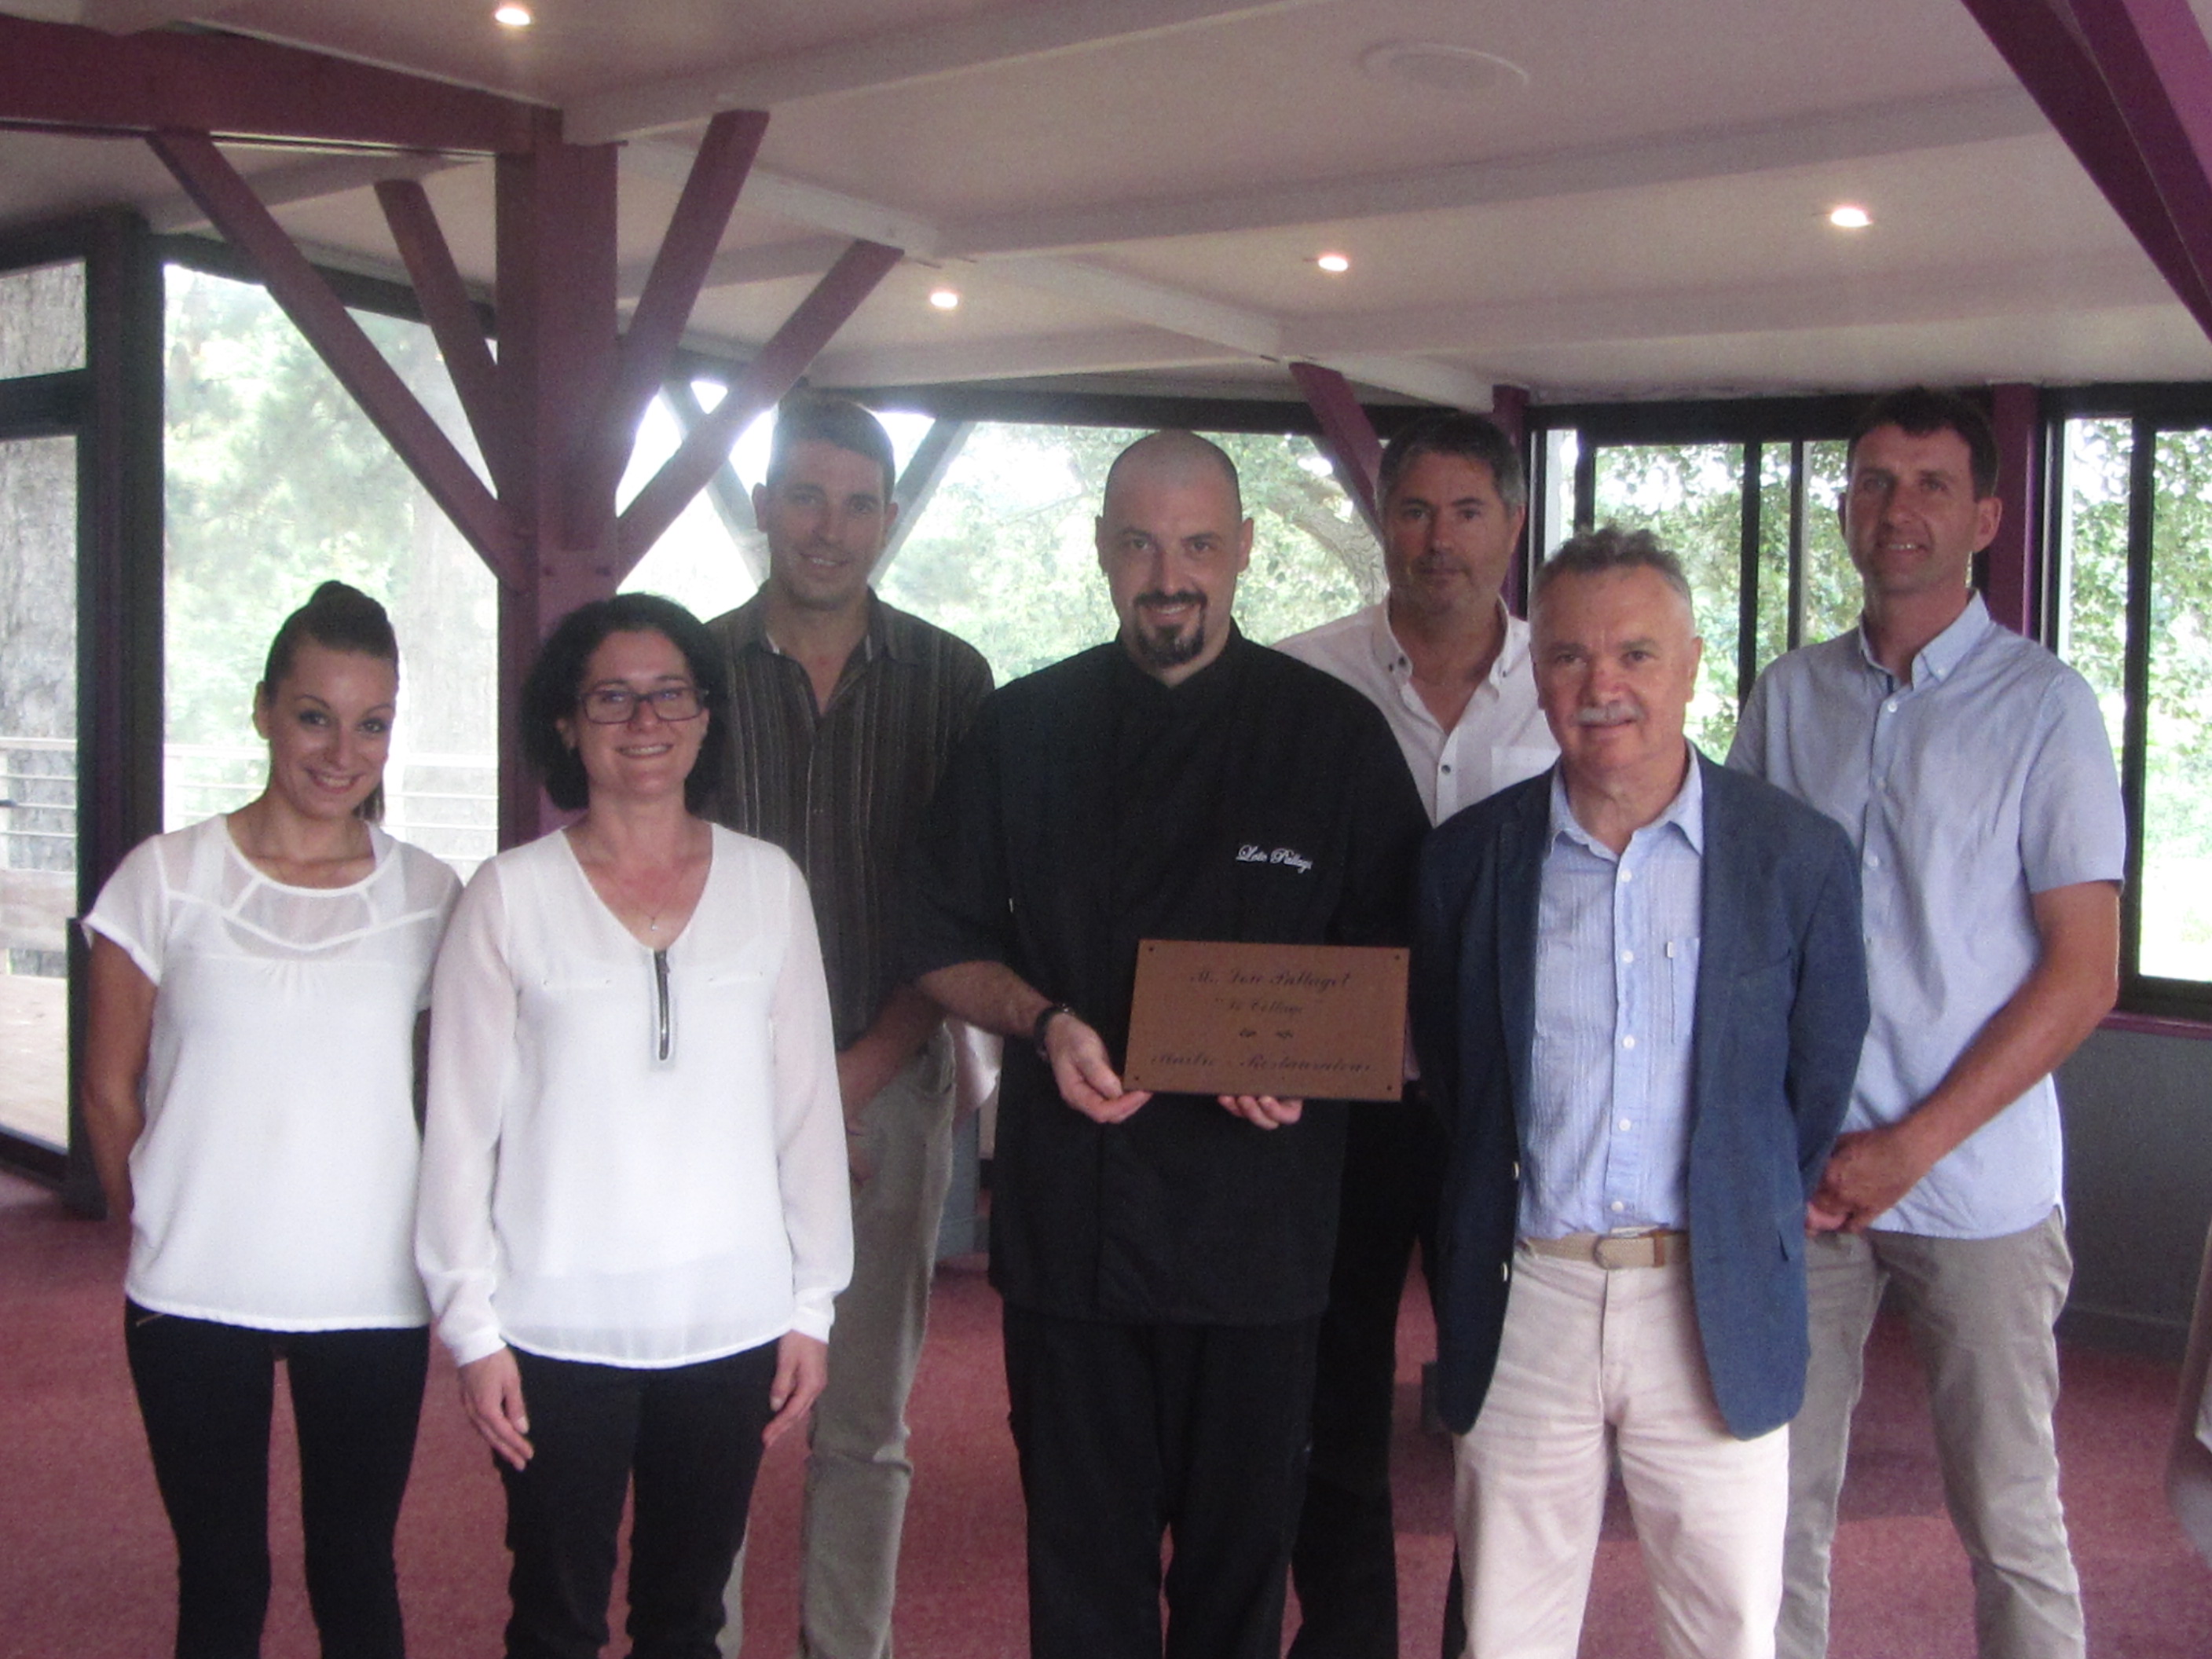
x=1440 y=66
x=1849 y=215
x=1336 y=263
x=944 y=299
x=512 y=16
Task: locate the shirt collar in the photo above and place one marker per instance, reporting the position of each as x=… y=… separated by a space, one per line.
x=886 y=635
x=1947 y=650
x=1686 y=812
x=1390 y=656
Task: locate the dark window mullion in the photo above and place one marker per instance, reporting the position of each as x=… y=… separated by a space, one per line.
x=2135 y=679
x=1585 y=483
x=1794 y=622
x=1746 y=593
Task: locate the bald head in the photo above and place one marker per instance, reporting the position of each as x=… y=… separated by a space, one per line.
x=1179 y=457
x=1172 y=540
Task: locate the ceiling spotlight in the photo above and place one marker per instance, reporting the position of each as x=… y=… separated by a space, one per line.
x=1334 y=264
x=1850 y=216
x=944 y=299
x=512 y=16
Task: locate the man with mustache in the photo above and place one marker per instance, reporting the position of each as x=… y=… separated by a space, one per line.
x=1164 y=1260
x=1448 y=667
x=1638 y=996
x=845 y=712
x=1973 y=771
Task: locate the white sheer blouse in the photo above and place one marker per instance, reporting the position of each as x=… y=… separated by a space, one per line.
x=274 y=1184
x=633 y=1157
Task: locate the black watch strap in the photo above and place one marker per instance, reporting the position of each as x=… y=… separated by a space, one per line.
x=1045 y=1017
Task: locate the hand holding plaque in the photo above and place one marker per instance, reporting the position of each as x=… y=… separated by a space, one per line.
x=1294 y=1021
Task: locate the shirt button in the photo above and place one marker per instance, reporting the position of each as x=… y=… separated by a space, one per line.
x=1616 y=1206
x=1628 y=875
x=1628 y=1042
x=1628 y=956
x=1625 y=1124
x=1874 y=861
x=1890 y=708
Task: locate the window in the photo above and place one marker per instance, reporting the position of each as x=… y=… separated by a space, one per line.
x=276 y=481
x=1744 y=494
x=2129 y=601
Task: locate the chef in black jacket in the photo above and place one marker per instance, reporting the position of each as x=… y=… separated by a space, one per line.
x=1164 y=1260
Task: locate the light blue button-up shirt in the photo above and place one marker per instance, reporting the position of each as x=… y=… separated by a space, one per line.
x=1605 y=1132
x=1987 y=779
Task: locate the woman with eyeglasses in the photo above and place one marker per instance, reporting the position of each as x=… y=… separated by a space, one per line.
x=632 y=1216
x=256 y=985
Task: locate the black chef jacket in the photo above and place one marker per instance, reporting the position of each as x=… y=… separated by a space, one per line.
x=1091 y=807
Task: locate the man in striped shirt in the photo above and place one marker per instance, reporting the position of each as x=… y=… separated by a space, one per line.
x=842 y=714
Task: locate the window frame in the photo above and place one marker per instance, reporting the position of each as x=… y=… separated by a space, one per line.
x=2147 y=1001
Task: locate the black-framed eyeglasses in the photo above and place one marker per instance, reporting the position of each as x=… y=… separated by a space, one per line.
x=615 y=705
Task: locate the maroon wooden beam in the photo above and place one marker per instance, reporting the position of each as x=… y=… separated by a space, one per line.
x=672 y=288
x=1347 y=437
x=765 y=381
x=2067 y=82
x=2013 y=579
x=1509 y=410
x=295 y=285
x=66 y=76
x=2155 y=59
x=450 y=313
x=557 y=300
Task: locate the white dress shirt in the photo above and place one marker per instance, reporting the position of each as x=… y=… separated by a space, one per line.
x=1500 y=737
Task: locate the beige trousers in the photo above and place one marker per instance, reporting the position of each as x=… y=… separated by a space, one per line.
x=1595 y=1363
x=1981 y=1313
x=857 y=1472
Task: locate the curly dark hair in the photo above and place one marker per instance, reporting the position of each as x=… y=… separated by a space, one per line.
x=557 y=681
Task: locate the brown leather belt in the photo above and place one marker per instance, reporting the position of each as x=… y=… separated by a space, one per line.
x=1655 y=1248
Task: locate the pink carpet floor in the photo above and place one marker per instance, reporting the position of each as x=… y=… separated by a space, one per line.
x=87 y=1572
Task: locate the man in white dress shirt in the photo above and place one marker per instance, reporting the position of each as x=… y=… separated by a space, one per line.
x=1448 y=665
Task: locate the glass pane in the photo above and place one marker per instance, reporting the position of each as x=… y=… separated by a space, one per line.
x=1773 y=554
x=1831 y=585
x=2092 y=562
x=1003 y=554
x=38 y=780
x=276 y=481
x=1691 y=496
x=2177 y=808
x=42 y=319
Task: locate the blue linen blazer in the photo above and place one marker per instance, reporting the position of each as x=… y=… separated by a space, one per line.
x=1781 y=1010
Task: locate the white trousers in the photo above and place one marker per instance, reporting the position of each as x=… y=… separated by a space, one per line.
x=1595 y=1363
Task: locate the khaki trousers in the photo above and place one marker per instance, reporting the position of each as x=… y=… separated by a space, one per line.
x=1595 y=1363
x=1981 y=1312
x=857 y=1472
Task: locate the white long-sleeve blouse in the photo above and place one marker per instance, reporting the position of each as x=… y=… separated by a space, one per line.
x=631 y=1158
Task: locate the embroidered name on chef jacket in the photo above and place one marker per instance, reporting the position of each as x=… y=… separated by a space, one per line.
x=1290 y=858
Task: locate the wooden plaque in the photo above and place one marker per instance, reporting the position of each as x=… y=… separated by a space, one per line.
x=1294 y=1020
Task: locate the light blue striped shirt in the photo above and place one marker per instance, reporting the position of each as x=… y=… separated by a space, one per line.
x=1605 y=1132
x=1984 y=781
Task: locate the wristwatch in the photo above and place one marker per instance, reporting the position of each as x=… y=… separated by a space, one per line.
x=1045 y=1017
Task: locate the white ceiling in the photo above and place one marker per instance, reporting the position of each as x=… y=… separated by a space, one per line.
x=1137 y=188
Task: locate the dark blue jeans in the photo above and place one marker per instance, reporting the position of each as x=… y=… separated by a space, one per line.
x=688 y=1439
x=206 y=1391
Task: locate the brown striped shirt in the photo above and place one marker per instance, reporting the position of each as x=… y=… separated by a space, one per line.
x=843 y=789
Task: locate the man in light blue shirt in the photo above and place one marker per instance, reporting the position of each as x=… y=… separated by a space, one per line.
x=1971 y=770
x=1638 y=1000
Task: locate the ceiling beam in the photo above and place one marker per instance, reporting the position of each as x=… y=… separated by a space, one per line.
x=899 y=56
x=1887 y=128
x=292 y=183
x=1023 y=357
x=130 y=16
x=1938 y=294
x=64 y=75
